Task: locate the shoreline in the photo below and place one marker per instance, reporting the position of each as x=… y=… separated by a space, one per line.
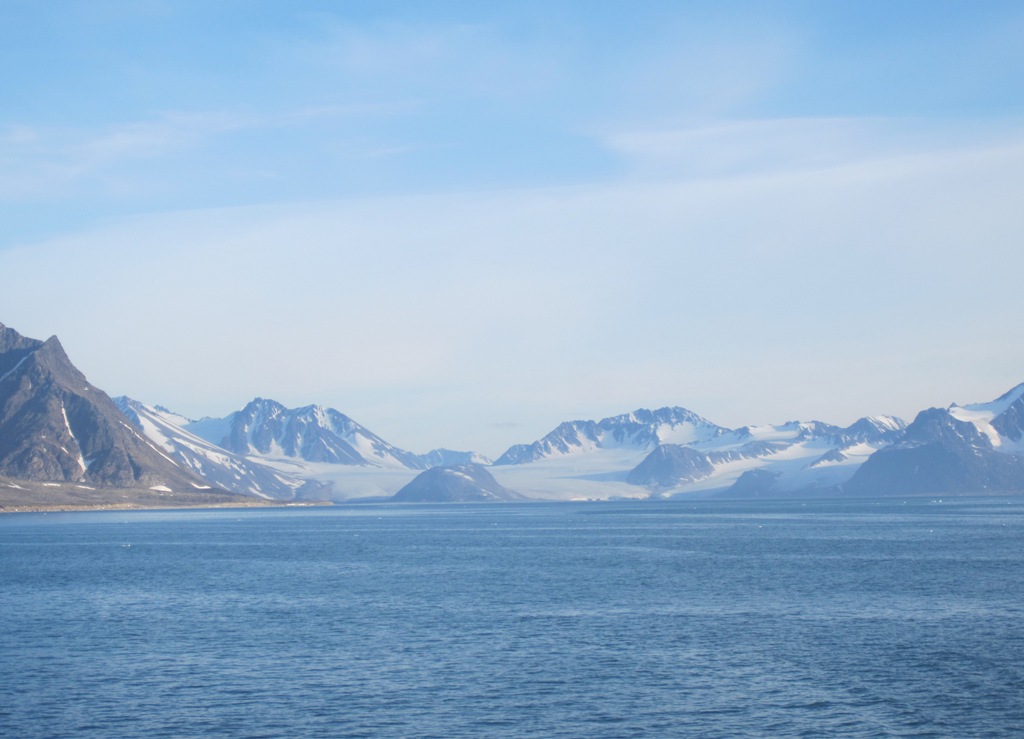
x=77 y=508
x=22 y=496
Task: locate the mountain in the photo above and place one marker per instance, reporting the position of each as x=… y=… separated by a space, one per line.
x=787 y=458
x=756 y=483
x=642 y=429
x=673 y=451
x=960 y=449
x=1001 y=420
x=670 y=465
x=315 y=434
x=58 y=430
x=219 y=467
x=460 y=483
x=312 y=433
x=55 y=426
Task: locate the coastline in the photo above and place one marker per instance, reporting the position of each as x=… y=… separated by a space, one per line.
x=58 y=508
x=20 y=496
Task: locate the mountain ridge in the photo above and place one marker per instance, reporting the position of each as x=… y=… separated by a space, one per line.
x=314 y=433
x=640 y=428
x=219 y=467
x=55 y=426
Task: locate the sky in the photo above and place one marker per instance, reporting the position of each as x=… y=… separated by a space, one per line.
x=463 y=223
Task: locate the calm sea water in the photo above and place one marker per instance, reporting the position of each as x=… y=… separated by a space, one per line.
x=597 y=620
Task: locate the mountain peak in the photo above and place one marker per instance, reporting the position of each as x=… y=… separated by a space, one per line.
x=55 y=426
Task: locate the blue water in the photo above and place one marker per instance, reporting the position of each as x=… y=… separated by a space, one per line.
x=898 y=618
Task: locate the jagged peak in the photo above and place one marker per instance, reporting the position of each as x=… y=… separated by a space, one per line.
x=262 y=404
x=882 y=424
x=665 y=414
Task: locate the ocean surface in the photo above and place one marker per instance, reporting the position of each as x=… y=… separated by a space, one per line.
x=819 y=618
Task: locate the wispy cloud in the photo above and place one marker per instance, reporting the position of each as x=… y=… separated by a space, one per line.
x=429 y=61
x=167 y=134
x=533 y=303
x=46 y=161
x=750 y=146
x=54 y=162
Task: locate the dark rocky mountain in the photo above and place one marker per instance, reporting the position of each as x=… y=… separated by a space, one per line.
x=456 y=484
x=753 y=484
x=670 y=465
x=219 y=467
x=55 y=426
x=641 y=429
x=940 y=453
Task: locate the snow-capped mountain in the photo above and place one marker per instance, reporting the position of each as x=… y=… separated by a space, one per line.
x=219 y=467
x=265 y=428
x=674 y=451
x=641 y=430
x=1001 y=421
x=55 y=426
x=313 y=433
x=790 y=457
x=960 y=449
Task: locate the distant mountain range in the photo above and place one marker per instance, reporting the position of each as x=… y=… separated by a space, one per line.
x=313 y=433
x=218 y=466
x=271 y=451
x=57 y=428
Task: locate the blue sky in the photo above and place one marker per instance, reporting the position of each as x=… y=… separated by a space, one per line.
x=462 y=223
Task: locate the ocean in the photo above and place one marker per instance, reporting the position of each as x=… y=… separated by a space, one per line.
x=897 y=617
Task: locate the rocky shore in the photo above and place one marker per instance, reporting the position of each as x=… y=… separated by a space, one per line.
x=21 y=496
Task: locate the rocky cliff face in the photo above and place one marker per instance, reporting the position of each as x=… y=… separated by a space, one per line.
x=55 y=426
